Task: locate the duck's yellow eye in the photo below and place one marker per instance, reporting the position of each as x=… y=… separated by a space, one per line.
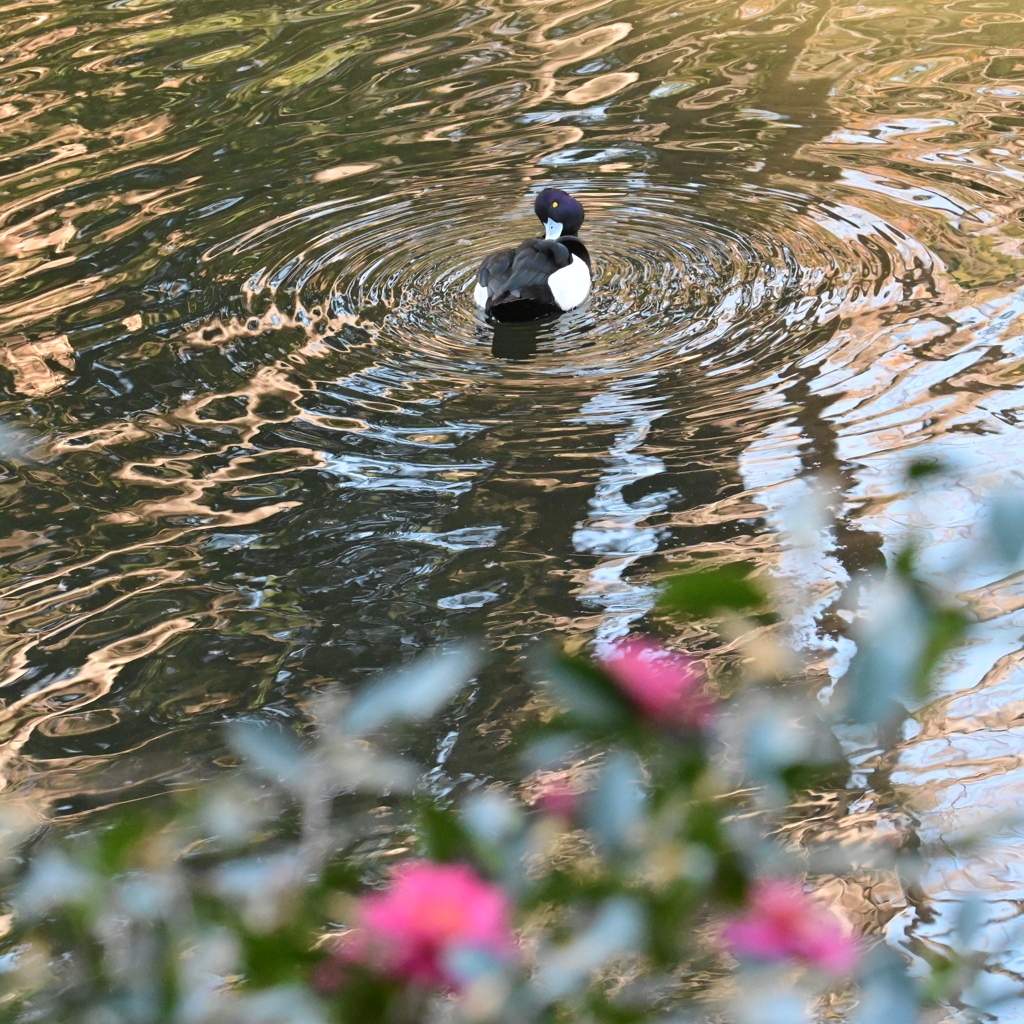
x=554 y=206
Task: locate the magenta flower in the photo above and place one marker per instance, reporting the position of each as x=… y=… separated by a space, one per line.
x=783 y=923
x=667 y=688
x=428 y=911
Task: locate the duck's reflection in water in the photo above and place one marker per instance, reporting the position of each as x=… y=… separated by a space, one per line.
x=517 y=342
x=559 y=333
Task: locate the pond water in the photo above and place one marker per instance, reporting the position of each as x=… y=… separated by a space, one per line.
x=257 y=440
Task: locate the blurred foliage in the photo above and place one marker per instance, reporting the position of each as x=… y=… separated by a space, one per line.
x=707 y=592
x=628 y=843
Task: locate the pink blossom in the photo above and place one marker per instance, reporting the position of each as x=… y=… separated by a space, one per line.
x=428 y=911
x=667 y=688
x=783 y=922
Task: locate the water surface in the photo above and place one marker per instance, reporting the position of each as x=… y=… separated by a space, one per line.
x=266 y=443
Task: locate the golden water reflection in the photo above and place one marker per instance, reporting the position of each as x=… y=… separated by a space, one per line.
x=255 y=441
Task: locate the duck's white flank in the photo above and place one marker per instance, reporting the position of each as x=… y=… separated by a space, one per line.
x=570 y=285
x=480 y=295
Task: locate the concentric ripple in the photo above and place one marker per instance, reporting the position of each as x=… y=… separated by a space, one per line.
x=677 y=270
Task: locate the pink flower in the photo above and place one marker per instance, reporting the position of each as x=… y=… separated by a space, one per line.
x=429 y=911
x=783 y=922
x=667 y=688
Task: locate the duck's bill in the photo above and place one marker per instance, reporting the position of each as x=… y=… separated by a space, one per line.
x=552 y=228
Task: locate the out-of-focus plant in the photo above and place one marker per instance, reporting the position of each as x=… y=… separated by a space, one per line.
x=641 y=871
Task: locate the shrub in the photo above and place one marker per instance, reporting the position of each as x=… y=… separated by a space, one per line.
x=644 y=869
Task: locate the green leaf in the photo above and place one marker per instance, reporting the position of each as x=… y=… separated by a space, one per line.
x=116 y=843
x=370 y=999
x=730 y=881
x=277 y=957
x=704 y=825
x=945 y=625
x=946 y=628
x=567 y=886
x=587 y=692
x=712 y=591
x=905 y=563
x=442 y=833
x=341 y=876
x=804 y=776
x=922 y=469
x=666 y=912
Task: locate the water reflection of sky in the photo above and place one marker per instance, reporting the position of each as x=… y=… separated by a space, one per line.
x=617 y=530
x=961 y=757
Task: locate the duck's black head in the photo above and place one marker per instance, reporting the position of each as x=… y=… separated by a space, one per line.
x=559 y=213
